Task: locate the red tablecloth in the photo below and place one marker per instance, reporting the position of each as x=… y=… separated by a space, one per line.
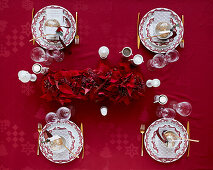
x=112 y=142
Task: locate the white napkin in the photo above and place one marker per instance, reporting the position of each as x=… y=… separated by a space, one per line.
x=159 y=16
x=53 y=14
x=64 y=154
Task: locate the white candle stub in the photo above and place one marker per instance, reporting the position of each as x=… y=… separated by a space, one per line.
x=155 y=82
x=104 y=110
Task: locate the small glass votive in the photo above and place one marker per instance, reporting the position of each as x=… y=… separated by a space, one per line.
x=161 y=99
x=37 y=68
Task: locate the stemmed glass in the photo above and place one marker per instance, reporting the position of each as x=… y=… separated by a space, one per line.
x=160 y=60
x=166 y=112
x=57 y=55
x=51 y=117
x=182 y=108
x=172 y=56
x=63 y=114
x=38 y=55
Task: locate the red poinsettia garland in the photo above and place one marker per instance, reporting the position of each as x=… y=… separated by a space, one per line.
x=118 y=84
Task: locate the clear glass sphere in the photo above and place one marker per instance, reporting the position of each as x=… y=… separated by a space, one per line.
x=172 y=56
x=168 y=113
x=158 y=61
x=51 y=117
x=183 y=108
x=38 y=54
x=63 y=113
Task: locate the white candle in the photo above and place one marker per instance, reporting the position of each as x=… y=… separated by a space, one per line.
x=103 y=110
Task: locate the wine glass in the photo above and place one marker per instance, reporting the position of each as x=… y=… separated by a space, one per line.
x=172 y=56
x=38 y=55
x=158 y=61
x=63 y=114
x=166 y=112
x=25 y=76
x=183 y=108
x=51 y=117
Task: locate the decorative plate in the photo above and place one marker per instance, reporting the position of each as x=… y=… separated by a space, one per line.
x=38 y=28
x=147 y=29
x=157 y=149
x=72 y=139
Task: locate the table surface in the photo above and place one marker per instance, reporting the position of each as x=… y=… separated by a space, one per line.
x=112 y=142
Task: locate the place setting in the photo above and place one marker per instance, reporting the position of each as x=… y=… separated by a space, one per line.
x=60 y=140
x=160 y=30
x=53 y=27
x=166 y=139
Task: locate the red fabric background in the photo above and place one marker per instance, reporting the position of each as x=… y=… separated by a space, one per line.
x=112 y=142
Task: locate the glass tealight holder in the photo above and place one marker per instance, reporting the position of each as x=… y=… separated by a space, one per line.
x=38 y=68
x=161 y=99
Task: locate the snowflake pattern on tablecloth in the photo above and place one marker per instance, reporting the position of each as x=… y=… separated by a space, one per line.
x=28 y=148
x=105 y=152
x=86 y=150
x=131 y=150
x=119 y=139
x=3 y=167
x=3 y=150
x=3 y=24
x=4 y=124
x=26 y=29
x=27 y=88
x=15 y=40
x=27 y=4
x=15 y=136
x=3 y=4
x=4 y=52
x=40 y=114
